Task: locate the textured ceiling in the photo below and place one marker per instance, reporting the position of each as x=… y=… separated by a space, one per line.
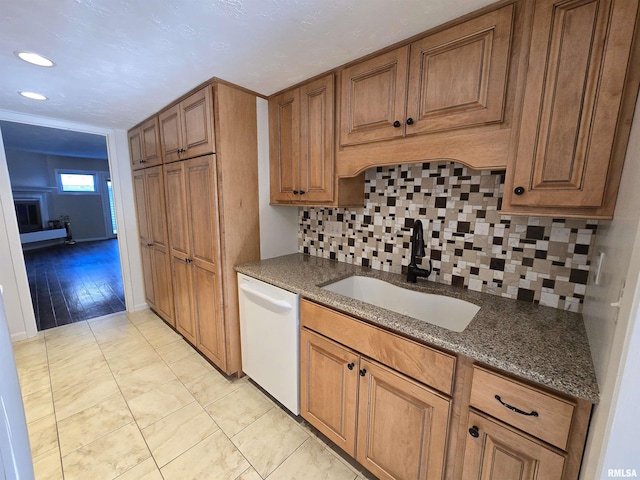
x=119 y=61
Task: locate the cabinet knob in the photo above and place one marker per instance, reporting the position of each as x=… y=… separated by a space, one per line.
x=149 y=244
x=296 y=192
x=302 y=192
x=363 y=372
x=397 y=124
x=473 y=431
x=188 y=260
x=518 y=190
x=351 y=365
x=409 y=121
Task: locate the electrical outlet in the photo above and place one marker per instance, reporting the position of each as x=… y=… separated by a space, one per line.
x=333 y=229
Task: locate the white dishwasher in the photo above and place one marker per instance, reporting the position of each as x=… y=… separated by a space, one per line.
x=269 y=336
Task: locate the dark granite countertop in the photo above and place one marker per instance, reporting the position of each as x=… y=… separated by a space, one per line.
x=542 y=344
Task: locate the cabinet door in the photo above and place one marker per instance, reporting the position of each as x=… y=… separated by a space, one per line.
x=577 y=66
x=163 y=284
x=135 y=149
x=150 y=135
x=202 y=208
x=170 y=134
x=184 y=298
x=328 y=388
x=500 y=453
x=176 y=201
x=147 y=274
x=458 y=77
x=160 y=255
x=196 y=115
x=402 y=425
x=178 y=228
x=140 y=194
x=201 y=202
x=154 y=182
x=373 y=98
x=208 y=313
x=284 y=146
x=316 y=130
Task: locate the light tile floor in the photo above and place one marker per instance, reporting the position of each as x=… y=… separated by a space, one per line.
x=126 y=397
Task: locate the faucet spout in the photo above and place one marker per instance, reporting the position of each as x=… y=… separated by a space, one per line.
x=417 y=251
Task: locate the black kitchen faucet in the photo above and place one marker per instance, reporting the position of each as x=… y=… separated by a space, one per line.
x=417 y=251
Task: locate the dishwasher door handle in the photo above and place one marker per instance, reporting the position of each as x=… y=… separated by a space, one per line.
x=266 y=298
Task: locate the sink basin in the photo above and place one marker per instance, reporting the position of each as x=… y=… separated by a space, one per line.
x=447 y=312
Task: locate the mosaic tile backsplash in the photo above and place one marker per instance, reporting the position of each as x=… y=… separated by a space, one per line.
x=534 y=259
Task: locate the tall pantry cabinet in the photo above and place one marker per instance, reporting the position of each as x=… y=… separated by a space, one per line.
x=148 y=185
x=211 y=209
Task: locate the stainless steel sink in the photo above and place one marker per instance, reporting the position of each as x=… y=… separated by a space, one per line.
x=447 y=312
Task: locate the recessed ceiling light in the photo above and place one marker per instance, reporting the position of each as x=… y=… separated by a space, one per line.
x=35 y=59
x=33 y=95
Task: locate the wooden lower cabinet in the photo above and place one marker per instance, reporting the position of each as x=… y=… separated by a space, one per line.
x=392 y=425
x=402 y=425
x=195 y=245
x=329 y=388
x=183 y=294
x=494 y=451
x=152 y=229
x=208 y=307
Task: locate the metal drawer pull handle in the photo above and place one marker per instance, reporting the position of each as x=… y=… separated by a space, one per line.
x=517 y=410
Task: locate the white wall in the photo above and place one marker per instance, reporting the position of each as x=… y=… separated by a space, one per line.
x=610 y=328
x=13 y=274
x=12 y=270
x=278 y=224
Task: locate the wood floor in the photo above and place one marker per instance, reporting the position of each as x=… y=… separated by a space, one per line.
x=73 y=283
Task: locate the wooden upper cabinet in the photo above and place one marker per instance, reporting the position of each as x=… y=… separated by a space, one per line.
x=135 y=148
x=373 y=98
x=186 y=129
x=452 y=79
x=316 y=134
x=171 y=134
x=301 y=125
x=144 y=145
x=577 y=109
x=458 y=77
x=150 y=137
x=284 y=145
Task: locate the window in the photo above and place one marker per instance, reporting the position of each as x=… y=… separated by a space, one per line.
x=77 y=182
x=112 y=208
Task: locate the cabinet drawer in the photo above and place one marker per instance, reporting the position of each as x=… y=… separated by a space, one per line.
x=551 y=421
x=425 y=364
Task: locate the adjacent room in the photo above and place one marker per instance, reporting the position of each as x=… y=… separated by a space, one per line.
x=320 y=239
x=64 y=207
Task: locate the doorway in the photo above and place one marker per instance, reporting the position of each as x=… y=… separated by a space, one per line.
x=62 y=180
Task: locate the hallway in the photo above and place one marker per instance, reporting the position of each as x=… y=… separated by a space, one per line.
x=72 y=283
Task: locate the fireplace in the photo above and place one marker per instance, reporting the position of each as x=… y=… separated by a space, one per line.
x=29 y=215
